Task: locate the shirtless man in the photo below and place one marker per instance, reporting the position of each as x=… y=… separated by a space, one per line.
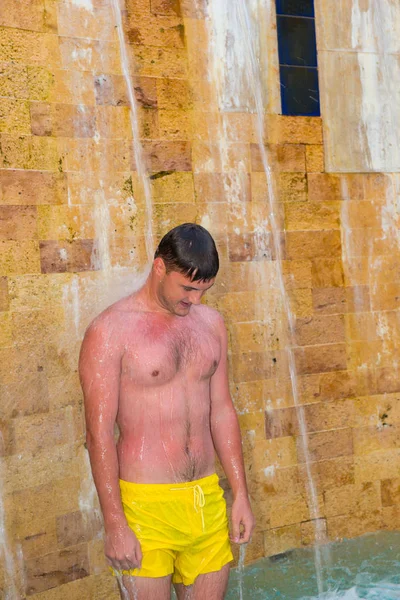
x=156 y=364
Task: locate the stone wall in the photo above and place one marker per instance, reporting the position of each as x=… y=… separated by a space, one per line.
x=73 y=228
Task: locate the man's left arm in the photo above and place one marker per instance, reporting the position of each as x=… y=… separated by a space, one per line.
x=228 y=444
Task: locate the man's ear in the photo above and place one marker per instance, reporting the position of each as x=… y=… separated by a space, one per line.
x=159 y=267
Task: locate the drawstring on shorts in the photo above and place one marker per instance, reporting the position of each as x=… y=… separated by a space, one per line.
x=198 y=500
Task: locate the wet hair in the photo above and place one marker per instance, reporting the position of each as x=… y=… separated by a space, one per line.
x=190 y=250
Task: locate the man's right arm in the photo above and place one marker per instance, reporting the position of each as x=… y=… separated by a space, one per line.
x=99 y=370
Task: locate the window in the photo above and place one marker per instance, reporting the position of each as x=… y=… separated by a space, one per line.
x=297 y=57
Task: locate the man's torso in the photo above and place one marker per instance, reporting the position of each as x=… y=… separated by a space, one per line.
x=164 y=399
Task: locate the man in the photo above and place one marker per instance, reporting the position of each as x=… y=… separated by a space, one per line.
x=156 y=364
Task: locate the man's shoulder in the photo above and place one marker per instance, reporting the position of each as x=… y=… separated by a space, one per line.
x=113 y=315
x=210 y=313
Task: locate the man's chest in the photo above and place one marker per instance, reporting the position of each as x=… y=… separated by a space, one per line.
x=158 y=354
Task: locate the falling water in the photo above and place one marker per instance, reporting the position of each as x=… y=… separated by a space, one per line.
x=234 y=38
x=8 y=562
x=137 y=148
x=242 y=557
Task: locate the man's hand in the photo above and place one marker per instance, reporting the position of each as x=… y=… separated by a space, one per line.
x=242 y=520
x=122 y=548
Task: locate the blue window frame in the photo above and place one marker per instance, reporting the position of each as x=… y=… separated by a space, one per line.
x=298 y=62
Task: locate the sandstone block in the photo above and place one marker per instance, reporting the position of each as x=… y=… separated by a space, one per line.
x=373 y=439
x=331 y=300
x=76 y=528
x=84 y=588
x=28 y=47
x=42 y=83
x=301 y=302
x=288 y=510
x=285 y=158
x=387 y=380
x=174 y=94
x=35 y=15
x=32 y=508
x=254 y=365
x=315 y=159
x=4 y=301
x=383 y=464
x=6 y=331
x=37 y=432
x=324 y=187
x=306 y=216
x=56 y=568
x=82 y=54
x=76 y=21
x=17 y=257
x=297 y=274
x=65 y=222
x=167 y=156
x=391 y=518
x=252 y=422
x=326 y=445
x=213 y=187
x=358 y=298
x=312 y=244
x=165 y=7
x=281 y=423
x=33 y=187
x=176 y=124
x=332 y=473
x=345 y=384
x=18 y=223
x=320 y=330
x=146 y=31
x=322 y=358
x=74 y=256
x=255 y=336
x=390 y=492
x=13 y=80
x=237 y=126
x=386 y=296
x=281 y=539
x=38 y=538
x=63 y=120
x=327 y=272
x=28 y=153
x=14 y=116
x=24 y=398
x=293 y=130
x=346 y=526
x=280 y=452
x=313 y=531
x=292 y=187
x=111 y=90
x=196 y=10
x=152 y=61
x=173 y=187
x=322 y=416
x=114 y=122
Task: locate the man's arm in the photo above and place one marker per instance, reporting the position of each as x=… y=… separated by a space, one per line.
x=99 y=370
x=228 y=444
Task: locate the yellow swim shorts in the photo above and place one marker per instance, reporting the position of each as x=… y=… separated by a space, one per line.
x=182 y=528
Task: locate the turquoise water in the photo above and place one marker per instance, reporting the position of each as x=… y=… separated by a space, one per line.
x=367 y=567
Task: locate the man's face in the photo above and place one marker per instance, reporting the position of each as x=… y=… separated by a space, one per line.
x=177 y=293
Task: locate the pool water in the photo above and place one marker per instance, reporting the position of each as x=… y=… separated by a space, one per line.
x=367 y=567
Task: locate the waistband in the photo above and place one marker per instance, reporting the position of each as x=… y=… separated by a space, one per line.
x=152 y=489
